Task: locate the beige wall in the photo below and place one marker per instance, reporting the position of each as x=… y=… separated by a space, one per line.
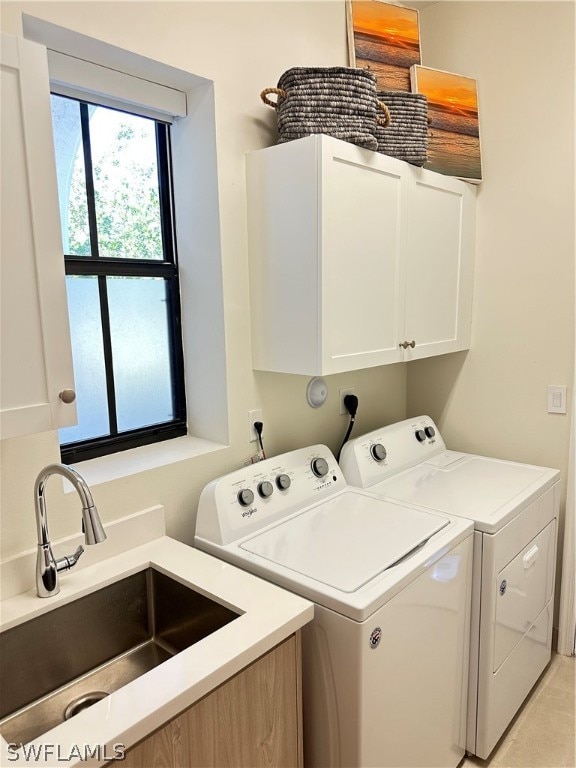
x=243 y=47
x=492 y=400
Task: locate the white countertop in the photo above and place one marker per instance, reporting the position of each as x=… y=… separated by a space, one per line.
x=269 y=615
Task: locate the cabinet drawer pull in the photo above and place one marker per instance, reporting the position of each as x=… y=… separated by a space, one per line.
x=67 y=396
x=406 y=344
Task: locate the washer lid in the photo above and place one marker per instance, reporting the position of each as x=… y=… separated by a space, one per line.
x=488 y=491
x=346 y=541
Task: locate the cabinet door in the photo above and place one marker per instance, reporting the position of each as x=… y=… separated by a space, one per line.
x=363 y=237
x=252 y=721
x=439 y=264
x=35 y=336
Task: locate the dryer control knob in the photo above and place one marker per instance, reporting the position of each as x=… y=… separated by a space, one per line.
x=283 y=482
x=265 y=489
x=420 y=435
x=319 y=467
x=245 y=497
x=430 y=431
x=378 y=452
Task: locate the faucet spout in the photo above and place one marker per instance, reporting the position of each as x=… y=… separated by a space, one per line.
x=93 y=529
x=47 y=567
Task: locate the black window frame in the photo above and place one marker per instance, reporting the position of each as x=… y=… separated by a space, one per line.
x=103 y=267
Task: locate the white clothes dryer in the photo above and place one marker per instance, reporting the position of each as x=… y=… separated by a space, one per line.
x=385 y=659
x=515 y=512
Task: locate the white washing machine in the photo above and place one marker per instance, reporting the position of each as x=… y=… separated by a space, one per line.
x=385 y=659
x=515 y=512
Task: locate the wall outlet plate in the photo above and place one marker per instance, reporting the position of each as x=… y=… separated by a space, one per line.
x=255 y=415
x=343 y=393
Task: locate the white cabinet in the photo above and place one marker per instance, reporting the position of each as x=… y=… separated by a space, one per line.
x=36 y=358
x=353 y=254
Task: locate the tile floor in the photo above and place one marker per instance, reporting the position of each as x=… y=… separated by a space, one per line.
x=542 y=733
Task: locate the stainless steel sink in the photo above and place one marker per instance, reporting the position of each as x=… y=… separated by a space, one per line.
x=56 y=665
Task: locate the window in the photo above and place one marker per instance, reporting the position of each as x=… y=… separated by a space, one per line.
x=117 y=220
x=91 y=70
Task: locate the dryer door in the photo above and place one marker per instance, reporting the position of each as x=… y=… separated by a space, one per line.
x=524 y=587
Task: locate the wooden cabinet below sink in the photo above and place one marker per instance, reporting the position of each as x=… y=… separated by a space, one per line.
x=252 y=720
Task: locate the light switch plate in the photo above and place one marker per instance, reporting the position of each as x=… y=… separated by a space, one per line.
x=556 y=398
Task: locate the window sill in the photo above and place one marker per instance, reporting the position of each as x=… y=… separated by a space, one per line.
x=132 y=462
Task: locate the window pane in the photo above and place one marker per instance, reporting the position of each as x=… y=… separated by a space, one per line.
x=71 y=176
x=140 y=351
x=88 y=357
x=125 y=185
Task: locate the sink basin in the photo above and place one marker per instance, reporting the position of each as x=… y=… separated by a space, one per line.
x=55 y=665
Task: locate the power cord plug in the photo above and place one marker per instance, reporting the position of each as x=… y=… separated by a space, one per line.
x=351 y=405
x=258 y=428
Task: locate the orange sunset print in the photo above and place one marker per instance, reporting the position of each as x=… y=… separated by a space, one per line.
x=453 y=127
x=385 y=39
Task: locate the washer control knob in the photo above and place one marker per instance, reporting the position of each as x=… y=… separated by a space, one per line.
x=378 y=452
x=420 y=435
x=265 y=489
x=430 y=431
x=283 y=482
x=245 y=497
x=319 y=467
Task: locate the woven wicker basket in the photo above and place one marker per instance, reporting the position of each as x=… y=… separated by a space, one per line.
x=406 y=137
x=336 y=101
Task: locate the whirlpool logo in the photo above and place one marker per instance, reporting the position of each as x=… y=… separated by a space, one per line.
x=375 y=637
x=249 y=512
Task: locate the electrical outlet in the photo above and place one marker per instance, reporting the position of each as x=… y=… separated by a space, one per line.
x=255 y=415
x=343 y=393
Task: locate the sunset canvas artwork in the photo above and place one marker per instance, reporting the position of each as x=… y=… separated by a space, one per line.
x=453 y=125
x=385 y=39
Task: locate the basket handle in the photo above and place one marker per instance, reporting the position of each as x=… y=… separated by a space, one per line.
x=278 y=91
x=386 y=120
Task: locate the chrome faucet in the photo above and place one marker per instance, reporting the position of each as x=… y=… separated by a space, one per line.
x=47 y=567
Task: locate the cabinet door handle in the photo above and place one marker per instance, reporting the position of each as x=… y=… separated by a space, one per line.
x=406 y=344
x=67 y=396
